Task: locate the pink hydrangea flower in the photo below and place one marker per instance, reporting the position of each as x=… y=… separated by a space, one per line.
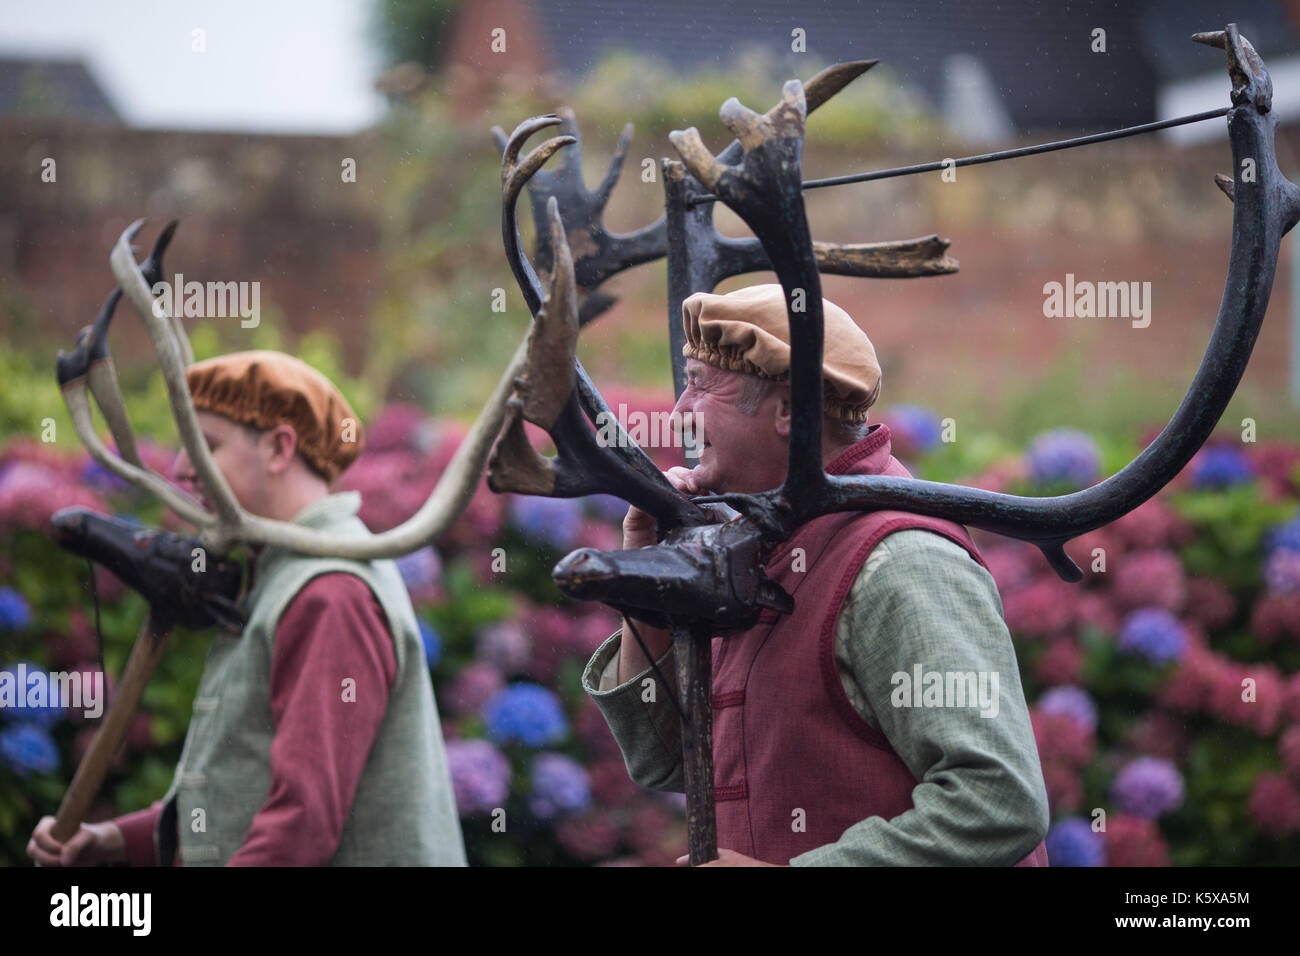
x=1046 y=608
x=1133 y=841
x=1062 y=662
x=1152 y=578
x=1151 y=524
x=1064 y=787
x=1288 y=748
x=1209 y=603
x=590 y=837
x=1060 y=737
x=1275 y=616
x=1275 y=805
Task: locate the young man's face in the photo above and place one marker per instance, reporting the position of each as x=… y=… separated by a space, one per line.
x=240 y=454
x=740 y=453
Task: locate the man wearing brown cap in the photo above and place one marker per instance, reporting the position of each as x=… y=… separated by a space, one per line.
x=820 y=757
x=315 y=738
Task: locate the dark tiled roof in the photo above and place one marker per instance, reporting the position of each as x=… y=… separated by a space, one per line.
x=1037 y=52
x=62 y=88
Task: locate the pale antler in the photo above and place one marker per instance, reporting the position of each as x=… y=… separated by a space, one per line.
x=231 y=524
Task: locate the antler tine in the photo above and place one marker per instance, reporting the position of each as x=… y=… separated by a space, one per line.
x=514 y=176
x=102 y=374
x=547 y=395
x=600 y=195
x=232 y=524
x=77 y=400
x=167 y=346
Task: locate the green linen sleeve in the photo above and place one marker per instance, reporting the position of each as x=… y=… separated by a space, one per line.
x=641 y=715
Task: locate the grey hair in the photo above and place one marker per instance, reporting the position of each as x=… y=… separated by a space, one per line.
x=755 y=389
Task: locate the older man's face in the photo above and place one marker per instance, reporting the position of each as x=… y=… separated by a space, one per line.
x=740 y=453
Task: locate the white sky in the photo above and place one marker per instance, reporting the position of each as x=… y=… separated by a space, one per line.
x=295 y=66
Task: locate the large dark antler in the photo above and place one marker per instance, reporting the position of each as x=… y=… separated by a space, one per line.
x=1266 y=208
x=709 y=565
x=554 y=389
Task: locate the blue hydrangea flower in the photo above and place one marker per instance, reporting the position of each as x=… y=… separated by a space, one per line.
x=1148 y=787
x=918 y=425
x=1063 y=456
x=1071 y=701
x=432 y=643
x=15 y=613
x=28 y=749
x=1285 y=537
x=552 y=521
x=525 y=713
x=1221 y=466
x=560 y=785
x=23 y=710
x=1072 y=842
x=1153 y=633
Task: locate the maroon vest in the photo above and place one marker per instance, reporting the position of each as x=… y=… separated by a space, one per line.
x=795 y=765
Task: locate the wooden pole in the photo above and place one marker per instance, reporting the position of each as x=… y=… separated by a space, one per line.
x=145 y=655
x=693 y=650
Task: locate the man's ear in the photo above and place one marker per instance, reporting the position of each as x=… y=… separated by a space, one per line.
x=781 y=414
x=284 y=446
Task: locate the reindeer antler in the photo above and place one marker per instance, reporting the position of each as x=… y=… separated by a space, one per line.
x=88 y=371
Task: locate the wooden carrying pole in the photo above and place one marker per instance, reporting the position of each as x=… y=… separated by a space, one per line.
x=145 y=655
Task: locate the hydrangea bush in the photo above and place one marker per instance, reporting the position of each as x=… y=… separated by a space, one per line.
x=1164 y=689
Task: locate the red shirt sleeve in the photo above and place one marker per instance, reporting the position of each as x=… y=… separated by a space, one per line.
x=334 y=631
x=137 y=833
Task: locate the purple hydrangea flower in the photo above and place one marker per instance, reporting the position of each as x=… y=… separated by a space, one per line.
x=421 y=570
x=480 y=775
x=15 y=612
x=42 y=715
x=506 y=646
x=1282 y=572
x=917 y=425
x=560 y=785
x=102 y=480
x=1065 y=456
x=1148 y=787
x=472 y=688
x=432 y=643
x=552 y=521
x=1070 y=701
x=1285 y=537
x=607 y=507
x=27 y=749
x=1071 y=842
x=1153 y=633
x=527 y=713
x=1221 y=467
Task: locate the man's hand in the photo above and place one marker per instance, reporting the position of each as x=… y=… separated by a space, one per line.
x=93 y=843
x=639 y=527
x=726 y=858
x=639 y=532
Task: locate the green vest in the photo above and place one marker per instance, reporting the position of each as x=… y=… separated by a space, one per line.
x=404 y=812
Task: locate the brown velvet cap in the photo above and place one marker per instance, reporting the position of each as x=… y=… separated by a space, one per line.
x=265 y=389
x=749 y=331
